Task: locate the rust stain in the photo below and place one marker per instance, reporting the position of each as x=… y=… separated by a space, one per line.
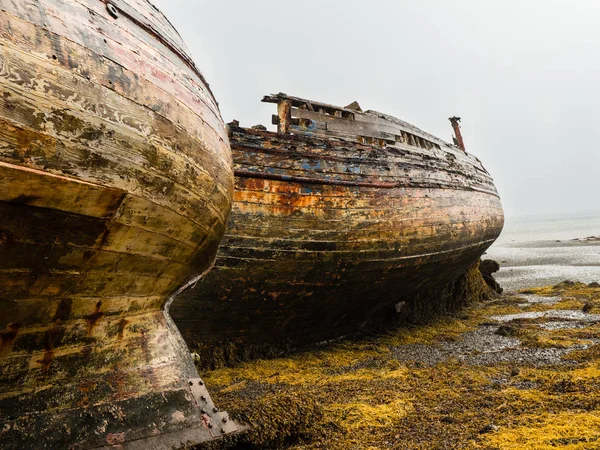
x=145 y=345
x=122 y=323
x=118 y=381
x=8 y=336
x=93 y=319
x=63 y=311
x=53 y=338
x=47 y=360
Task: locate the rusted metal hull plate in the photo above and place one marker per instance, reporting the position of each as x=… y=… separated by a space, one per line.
x=327 y=235
x=115 y=185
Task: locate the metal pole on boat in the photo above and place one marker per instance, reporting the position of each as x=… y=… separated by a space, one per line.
x=455 y=121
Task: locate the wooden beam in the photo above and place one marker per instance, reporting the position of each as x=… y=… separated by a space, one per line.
x=284 y=110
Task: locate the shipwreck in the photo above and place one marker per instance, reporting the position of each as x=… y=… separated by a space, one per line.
x=341 y=218
x=116 y=181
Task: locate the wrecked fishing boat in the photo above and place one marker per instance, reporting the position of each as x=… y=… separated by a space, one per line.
x=115 y=183
x=340 y=219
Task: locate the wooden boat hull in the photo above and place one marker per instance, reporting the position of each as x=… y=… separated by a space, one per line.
x=327 y=236
x=115 y=185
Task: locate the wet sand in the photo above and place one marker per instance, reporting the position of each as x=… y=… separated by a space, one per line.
x=535 y=253
x=533 y=264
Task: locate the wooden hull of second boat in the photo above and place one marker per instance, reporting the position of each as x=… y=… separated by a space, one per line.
x=115 y=185
x=314 y=250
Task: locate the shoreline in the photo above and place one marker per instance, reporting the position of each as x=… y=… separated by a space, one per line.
x=534 y=253
x=541 y=263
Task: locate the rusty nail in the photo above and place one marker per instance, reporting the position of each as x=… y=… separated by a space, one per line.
x=200 y=383
x=210 y=425
x=224 y=419
x=203 y=398
x=215 y=409
x=223 y=430
x=112 y=10
x=203 y=411
x=191 y=383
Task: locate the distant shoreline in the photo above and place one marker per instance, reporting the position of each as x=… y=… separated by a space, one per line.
x=538 y=252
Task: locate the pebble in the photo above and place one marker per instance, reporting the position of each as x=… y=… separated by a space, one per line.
x=489 y=429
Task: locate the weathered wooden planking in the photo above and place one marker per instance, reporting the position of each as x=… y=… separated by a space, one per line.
x=21 y=185
x=351 y=161
x=116 y=182
x=41 y=150
x=81 y=62
x=350 y=122
x=286 y=309
x=327 y=233
x=35 y=313
x=75 y=127
x=136 y=55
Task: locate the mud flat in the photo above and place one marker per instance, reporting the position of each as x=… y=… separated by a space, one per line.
x=517 y=371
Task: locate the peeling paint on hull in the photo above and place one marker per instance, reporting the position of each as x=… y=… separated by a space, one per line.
x=335 y=222
x=116 y=182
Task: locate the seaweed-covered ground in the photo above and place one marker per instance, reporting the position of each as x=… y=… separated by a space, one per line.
x=521 y=371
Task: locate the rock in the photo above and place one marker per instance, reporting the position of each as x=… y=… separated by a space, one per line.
x=515 y=372
x=487 y=267
x=594 y=284
x=565 y=284
x=259 y=127
x=489 y=429
x=587 y=307
x=506 y=330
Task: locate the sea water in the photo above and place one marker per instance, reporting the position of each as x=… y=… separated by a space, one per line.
x=545 y=250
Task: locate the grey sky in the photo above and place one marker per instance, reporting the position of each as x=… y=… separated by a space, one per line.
x=524 y=75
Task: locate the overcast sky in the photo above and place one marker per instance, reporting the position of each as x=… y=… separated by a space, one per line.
x=524 y=76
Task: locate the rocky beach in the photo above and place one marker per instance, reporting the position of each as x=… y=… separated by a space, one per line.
x=517 y=370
